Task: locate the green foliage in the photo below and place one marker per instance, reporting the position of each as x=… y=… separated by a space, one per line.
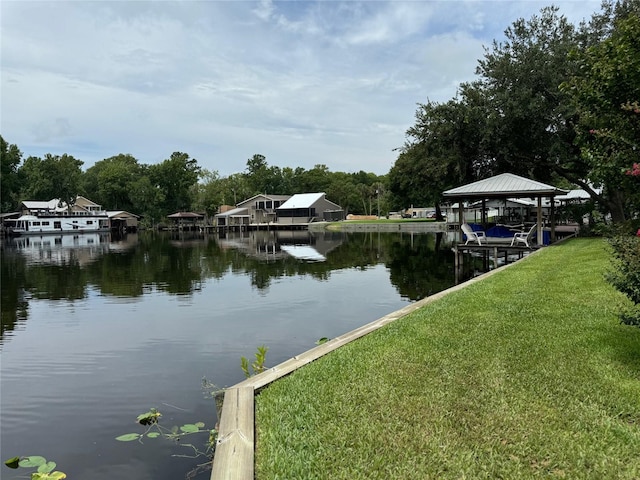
x=606 y=92
x=54 y=176
x=529 y=123
x=45 y=469
x=114 y=182
x=149 y=417
x=552 y=102
x=151 y=420
x=10 y=158
x=12 y=462
x=208 y=197
x=443 y=149
x=175 y=178
x=513 y=119
x=257 y=366
x=625 y=274
x=262 y=178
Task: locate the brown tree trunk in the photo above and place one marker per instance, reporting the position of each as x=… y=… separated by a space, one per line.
x=615 y=202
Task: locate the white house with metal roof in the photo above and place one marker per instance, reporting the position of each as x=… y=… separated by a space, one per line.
x=307 y=208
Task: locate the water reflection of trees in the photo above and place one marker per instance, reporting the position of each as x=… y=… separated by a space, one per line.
x=180 y=265
x=13 y=302
x=421 y=269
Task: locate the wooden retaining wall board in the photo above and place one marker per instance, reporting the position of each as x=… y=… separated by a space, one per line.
x=234 y=455
x=235 y=445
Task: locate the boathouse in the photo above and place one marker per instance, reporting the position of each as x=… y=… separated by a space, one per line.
x=121 y=221
x=307 y=208
x=186 y=220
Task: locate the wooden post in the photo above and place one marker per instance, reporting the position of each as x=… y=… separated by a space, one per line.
x=539 y=212
x=552 y=218
x=483 y=216
x=460 y=220
x=233 y=459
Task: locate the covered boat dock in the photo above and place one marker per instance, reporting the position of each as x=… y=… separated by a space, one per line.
x=505 y=186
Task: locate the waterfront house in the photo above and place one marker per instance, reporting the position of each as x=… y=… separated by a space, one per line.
x=307 y=208
x=259 y=209
x=262 y=208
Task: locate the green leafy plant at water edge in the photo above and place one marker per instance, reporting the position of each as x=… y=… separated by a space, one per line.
x=45 y=469
x=258 y=366
x=151 y=420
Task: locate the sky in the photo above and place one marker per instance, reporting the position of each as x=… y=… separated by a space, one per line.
x=301 y=82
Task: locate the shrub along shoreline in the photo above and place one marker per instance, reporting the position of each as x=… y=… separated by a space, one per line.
x=526 y=374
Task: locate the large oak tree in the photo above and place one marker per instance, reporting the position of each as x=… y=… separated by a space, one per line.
x=518 y=117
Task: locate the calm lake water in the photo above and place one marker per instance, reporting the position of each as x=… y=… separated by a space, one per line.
x=97 y=330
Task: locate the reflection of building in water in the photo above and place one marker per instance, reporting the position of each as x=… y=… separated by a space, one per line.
x=80 y=249
x=280 y=244
x=187 y=239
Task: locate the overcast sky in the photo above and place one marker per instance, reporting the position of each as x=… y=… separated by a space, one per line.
x=300 y=82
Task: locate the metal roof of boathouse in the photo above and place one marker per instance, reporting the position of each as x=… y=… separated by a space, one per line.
x=504 y=185
x=301 y=200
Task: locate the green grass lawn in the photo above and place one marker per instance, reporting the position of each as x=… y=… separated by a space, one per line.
x=390 y=220
x=526 y=374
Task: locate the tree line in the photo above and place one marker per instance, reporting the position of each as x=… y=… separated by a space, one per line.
x=176 y=184
x=554 y=102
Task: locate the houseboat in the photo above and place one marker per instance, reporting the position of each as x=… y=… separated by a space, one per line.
x=43 y=224
x=55 y=217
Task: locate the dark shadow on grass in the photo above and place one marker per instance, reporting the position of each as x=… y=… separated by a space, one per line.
x=624 y=341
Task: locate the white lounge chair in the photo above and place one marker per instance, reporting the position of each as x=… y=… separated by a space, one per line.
x=477 y=236
x=524 y=237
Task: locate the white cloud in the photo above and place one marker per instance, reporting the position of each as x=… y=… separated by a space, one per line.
x=300 y=82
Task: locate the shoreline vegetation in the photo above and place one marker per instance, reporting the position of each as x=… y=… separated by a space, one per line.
x=527 y=373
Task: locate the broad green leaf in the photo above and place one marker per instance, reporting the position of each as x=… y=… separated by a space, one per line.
x=47 y=467
x=33 y=461
x=189 y=428
x=199 y=424
x=12 y=462
x=153 y=434
x=149 y=417
x=128 y=437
